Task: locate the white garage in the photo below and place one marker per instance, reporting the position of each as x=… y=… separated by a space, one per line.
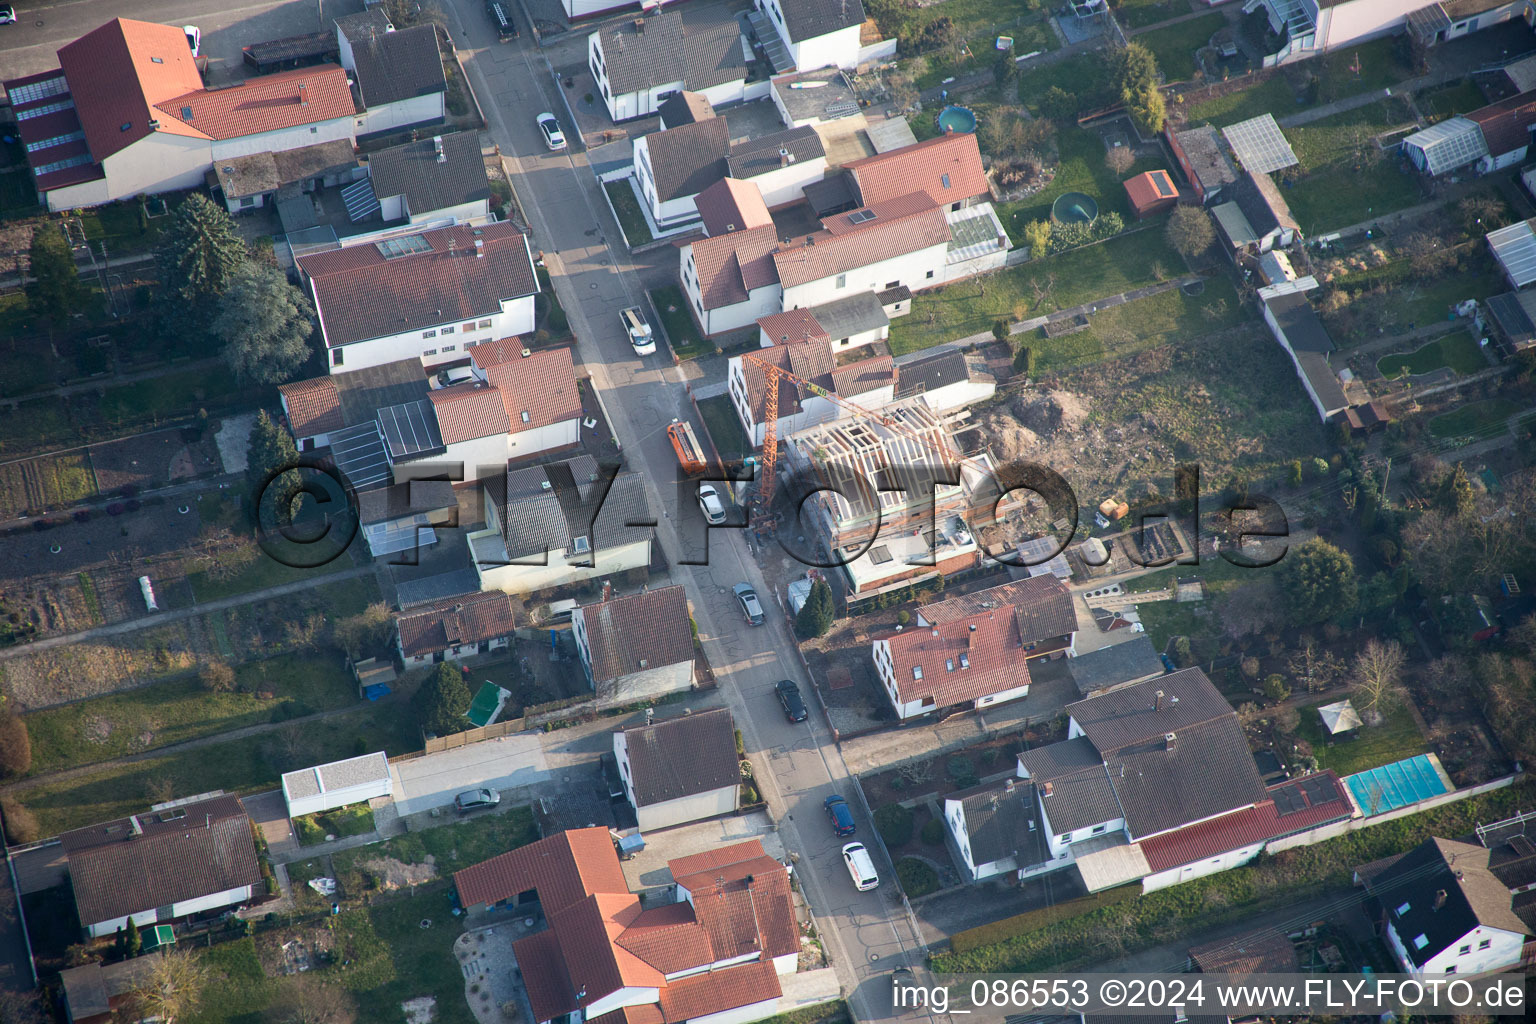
x=337 y=784
x=433 y=780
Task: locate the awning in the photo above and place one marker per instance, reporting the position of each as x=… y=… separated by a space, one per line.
x=1109 y=861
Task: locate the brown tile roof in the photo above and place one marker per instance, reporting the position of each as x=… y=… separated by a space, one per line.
x=1265 y=951
x=361 y=294
x=543 y=970
x=1507 y=124
x=727 y=870
x=731 y=205
x=864 y=376
x=900 y=226
x=543 y=386
x=682 y=756
x=115 y=80
x=797 y=324
x=646 y=1013
x=588 y=932
x=459 y=620
x=153 y=860
x=564 y=868
x=262 y=104
x=729 y=266
x=689 y=158
x=718 y=991
x=685 y=107
x=651 y=626
x=1150 y=187
x=469 y=410
x=668 y=938
x=959 y=663
x=923 y=166
x=314 y=406
x=492 y=353
x=1043 y=604
x=811 y=360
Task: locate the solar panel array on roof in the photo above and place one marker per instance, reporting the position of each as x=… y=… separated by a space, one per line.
x=1320 y=788
x=1260 y=145
x=410 y=429
x=1288 y=800
x=1454 y=142
x=405 y=245
x=1515 y=249
x=359 y=453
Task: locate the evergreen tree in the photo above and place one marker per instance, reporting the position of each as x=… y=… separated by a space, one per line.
x=55 y=290
x=270 y=461
x=264 y=324
x=1456 y=494
x=1319 y=580
x=817 y=614
x=442 y=701
x=200 y=253
x=133 y=942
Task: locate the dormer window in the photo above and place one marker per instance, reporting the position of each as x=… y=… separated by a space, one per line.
x=156 y=60
x=917 y=672
x=580 y=544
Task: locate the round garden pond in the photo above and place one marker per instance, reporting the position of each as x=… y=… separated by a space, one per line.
x=1074 y=208
x=957 y=119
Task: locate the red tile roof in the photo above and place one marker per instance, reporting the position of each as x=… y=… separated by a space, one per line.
x=792 y=325
x=740 y=915
x=864 y=376
x=360 y=293
x=544 y=976
x=314 y=406
x=470 y=410
x=718 y=991
x=900 y=226
x=1507 y=124
x=588 y=932
x=265 y=103
x=491 y=353
x=459 y=620
x=729 y=266
x=1243 y=828
x=811 y=360
x=1043 y=604
x=543 y=386
x=923 y=165
x=731 y=205
x=118 y=72
x=989 y=643
x=668 y=938
x=646 y=1013
x=563 y=868
x=1151 y=188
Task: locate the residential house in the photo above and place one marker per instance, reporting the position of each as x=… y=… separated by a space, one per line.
x=716 y=954
x=1310 y=29
x=126 y=114
x=971 y=661
x=311 y=411
x=405 y=516
x=636 y=646
x=996 y=829
x=1266 y=211
x=1443 y=909
x=844 y=324
x=1298 y=330
x=868 y=382
x=324 y=787
x=780 y=164
x=1204 y=161
x=730 y=205
x=452 y=630
x=1042 y=605
x=948 y=168
x=1151 y=193
x=1109 y=668
x=730 y=279
x=259 y=179
x=639 y=63
x=684 y=108
x=398 y=72
x=432 y=180
x=680 y=770
x=428 y=294
x=157 y=867
x=675 y=165
x=944 y=380
x=531 y=407
x=97 y=993
x=560 y=524
x=815 y=33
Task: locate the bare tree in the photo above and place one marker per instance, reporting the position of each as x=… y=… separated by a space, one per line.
x=1316 y=667
x=1378 y=676
x=1248 y=714
x=307 y=999
x=174 y=987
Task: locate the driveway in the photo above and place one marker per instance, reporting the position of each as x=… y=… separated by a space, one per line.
x=431 y=781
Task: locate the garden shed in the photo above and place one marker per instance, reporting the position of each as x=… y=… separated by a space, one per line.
x=336 y=784
x=1454 y=142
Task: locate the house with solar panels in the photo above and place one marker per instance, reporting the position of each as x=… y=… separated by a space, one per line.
x=1310 y=28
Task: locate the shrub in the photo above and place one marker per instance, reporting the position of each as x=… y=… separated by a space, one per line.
x=15 y=745
x=1275 y=688
x=1060 y=105
x=741 y=746
x=216 y=677
x=933 y=832
x=962 y=770
x=903 y=617
x=749 y=795
x=894 y=823
x=917 y=877
x=20 y=823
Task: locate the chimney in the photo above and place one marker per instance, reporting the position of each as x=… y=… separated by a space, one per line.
x=607 y=590
x=1046 y=789
x=1157 y=701
x=437 y=146
x=1440 y=898
x=639 y=26
x=935 y=632
x=1170 y=739
x=1008 y=786
x=303 y=95
x=783 y=157
x=479 y=249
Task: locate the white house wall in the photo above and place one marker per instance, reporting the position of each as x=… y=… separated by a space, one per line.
x=412 y=110
x=142 y=918
x=1201 y=868
x=651 y=682
x=548 y=438
x=282 y=139
x=160 y=162
x=463 y=213
x=783 y=185
x=72 y=197
x=741 y=1014
x=528 y=579
x=583 y=8
x=917 y=270
x=458 y=652
x=1489 y=164
x=1503 y=951
x=959 y=394
x=662 y=212
x=840 y=49
x=629 y=996
x=515 y=317
x=697 y=807
x=331 y=799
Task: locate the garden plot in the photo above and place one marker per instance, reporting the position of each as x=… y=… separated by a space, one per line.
x=1345 y=178
x=47 y=482
x=1456 y=352
x=154 y=459
x=90 y=668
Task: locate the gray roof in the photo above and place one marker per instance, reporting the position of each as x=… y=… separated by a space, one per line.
x=1303 y=330
x=364 y=392
x=807 y=19
x=843 y=318
x=1206 y=157
x=636 y=632
x=1002 y=820
x=328 y=778
x=931 y=373
x=1057 y=759
x=701 y=48
x=414 y=171
x=1512 y=316
x=394 y=66
x=751 y=157
x=381 y=504
x=689 y=158
x=536 y=519
x=1110 y=666
x=1080 y=799
x=1259 y=198
x=683 y=756
x=1124 y=718
x=90 y=988
x=1233 y=224
x=1473 y=896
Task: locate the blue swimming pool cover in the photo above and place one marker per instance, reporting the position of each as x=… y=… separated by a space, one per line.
x=1396 y=785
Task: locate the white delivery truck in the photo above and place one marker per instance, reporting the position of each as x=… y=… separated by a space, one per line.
x=639 y=331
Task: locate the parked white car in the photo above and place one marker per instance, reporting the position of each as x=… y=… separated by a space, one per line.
x=194 y=38
x=554 y=138
x=861 y=868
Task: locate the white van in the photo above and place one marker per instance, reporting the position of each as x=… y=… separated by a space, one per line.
x=860 y=867
x=639 y=331
x=560 y=611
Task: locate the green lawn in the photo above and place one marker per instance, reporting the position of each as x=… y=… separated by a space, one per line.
x=977 y=24
x=627 y=208
x=1140 y=13
x=1395 y=738
x=264 y=572
x=677 y=323
x=177 y=710
x=724 y=427
x=352 y=820
x=1274 y=95
x=451 y=847
x=1480 y=419
x=1175 y=45
x=1412 y=302
x=1135 y=326
x=1379 y=67
x=174 y=394
x=1451 y=100
x=120 y=226
x=1343 y=178
x=1457 y=351
x=1084 y=75
x=1034 y=288
x=1081 y=169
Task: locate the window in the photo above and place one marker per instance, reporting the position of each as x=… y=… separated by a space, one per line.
x=1402 y=909
x=57 y=140
x=449 y=329
x=1451 y=969
x=945 y=179
x=525 y=417
x=580 y=544
x=930 y=275
x=313 y=130
x=46 y=108
x=125 y=126
x=429 y=334
x=449 y=348
x=842 y=280
x=1420 y=941
x=1464 y=950
x=843 y=341
x=1099 y=828
x=39 y=90
x=468 y=327
x=892 y=284
x=336 y=357
x=429 y=351
x=917 y=671
x=157 y=60
x=1485 y=944
x=484 y=325
x=247 y=200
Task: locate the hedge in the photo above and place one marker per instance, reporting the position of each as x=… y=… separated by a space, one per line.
x=1094 y=933
x=917 y=877
x=894 y=823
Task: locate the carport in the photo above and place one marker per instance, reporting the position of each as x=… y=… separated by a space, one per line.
x=432 y=780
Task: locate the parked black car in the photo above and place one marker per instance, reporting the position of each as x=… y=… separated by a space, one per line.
x=789 y=696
